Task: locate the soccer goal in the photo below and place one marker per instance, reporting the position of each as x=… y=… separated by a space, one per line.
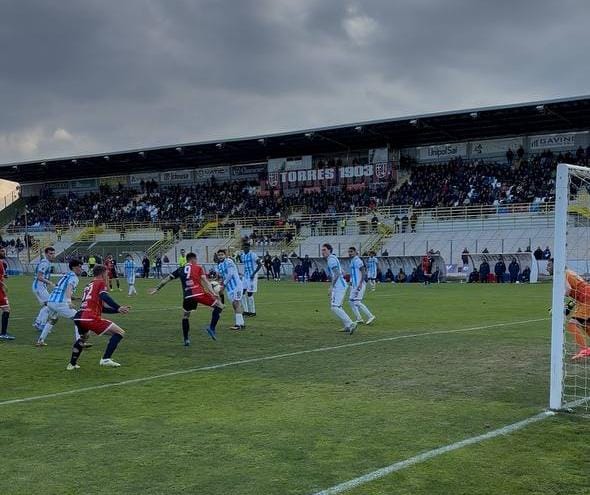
x=570 y=325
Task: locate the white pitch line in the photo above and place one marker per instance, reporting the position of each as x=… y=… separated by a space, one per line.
x=425 y=456
x=260 y=359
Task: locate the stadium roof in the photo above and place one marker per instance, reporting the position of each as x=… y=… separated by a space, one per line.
x=559 y=115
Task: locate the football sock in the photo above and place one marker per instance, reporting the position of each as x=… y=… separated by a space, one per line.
x=365 y=310
x=185 y=328
x=46 y=329
x=355 y=310
x=112 y=345
x=239 y=319
x=245 y=303
x=76 y=351
x=251 y=304
x=340 y=313
x=42 y=317
x=574 y=329
x=5 y=316
x=215 y=318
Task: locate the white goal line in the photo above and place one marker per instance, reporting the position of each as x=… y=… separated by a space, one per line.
x=261 y=359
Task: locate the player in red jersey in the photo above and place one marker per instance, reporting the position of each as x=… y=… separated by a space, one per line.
x=4 y=305
x=95 y=301
x=427 y=268
x=111 y=265
x=196 y=290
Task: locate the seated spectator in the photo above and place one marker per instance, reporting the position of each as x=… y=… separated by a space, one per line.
x=401 y=276
x=547 y=253
x=484 y=271
x=473 y=276
x=525 y=276
x=389 y=276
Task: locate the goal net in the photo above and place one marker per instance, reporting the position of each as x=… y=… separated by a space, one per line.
x=570 y=325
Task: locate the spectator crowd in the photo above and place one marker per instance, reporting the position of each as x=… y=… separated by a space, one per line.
x=455 y=183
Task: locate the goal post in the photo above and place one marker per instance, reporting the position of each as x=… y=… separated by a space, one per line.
x=570 y=376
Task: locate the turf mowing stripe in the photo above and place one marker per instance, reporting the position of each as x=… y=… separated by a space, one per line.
x=425 y=456
x=262 y=358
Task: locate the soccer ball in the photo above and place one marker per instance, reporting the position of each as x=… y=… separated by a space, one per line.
x=216 y=287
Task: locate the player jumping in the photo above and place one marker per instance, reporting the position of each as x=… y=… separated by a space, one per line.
x=196 y=289
x=252 y=265
x=4 y=305
x=41 y=284
x=358 y=287
x=337 y=288
x=228 y=273
x=88 y=319
x=129 y=268
x=577 y=310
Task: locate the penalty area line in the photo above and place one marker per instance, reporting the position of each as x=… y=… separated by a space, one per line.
x=425 y=456
x=262 y=359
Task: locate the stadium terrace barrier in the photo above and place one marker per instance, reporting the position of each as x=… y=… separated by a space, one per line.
x=409 y=264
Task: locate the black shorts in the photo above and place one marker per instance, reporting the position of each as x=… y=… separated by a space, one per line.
x=582 y=321
x=189 y=304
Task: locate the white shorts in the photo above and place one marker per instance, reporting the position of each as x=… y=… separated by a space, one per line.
x=235 y=294
x=131 y=279
x=357 y=294
x=61 y=309
x=337 y=297
x=372 y=276
x=250 y=285
x=41 y=293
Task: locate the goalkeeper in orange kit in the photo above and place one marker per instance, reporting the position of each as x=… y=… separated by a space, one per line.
x=577 y=309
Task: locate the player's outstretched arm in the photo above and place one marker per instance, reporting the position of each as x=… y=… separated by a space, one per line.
x=162 y=283
x=111 y=306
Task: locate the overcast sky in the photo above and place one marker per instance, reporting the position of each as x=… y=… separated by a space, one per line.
x=83 y=76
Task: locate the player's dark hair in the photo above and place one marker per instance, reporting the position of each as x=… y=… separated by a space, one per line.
x=224 y=251
x=191 y=256
x=328 y=247
x=74 y=263
x=352 y=248
x=98 y=270
x=49 y=248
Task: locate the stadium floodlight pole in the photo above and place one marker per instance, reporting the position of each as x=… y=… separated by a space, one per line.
x=559 y=260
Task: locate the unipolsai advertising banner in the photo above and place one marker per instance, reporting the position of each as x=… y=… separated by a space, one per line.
x=441 y=152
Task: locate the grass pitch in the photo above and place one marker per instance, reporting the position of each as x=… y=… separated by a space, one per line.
x=294 y=424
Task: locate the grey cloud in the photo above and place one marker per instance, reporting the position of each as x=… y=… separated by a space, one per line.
x=117 y=75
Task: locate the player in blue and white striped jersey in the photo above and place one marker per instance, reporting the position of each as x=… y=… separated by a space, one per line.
x=41 y=286
x=372 y=263
x=252 y=266
x=228 y=272
x=129 y=268
x=357 y=287
x=60 y=300
x=337 y=288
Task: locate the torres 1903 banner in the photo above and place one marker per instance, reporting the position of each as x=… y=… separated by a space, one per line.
x=353 y=174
